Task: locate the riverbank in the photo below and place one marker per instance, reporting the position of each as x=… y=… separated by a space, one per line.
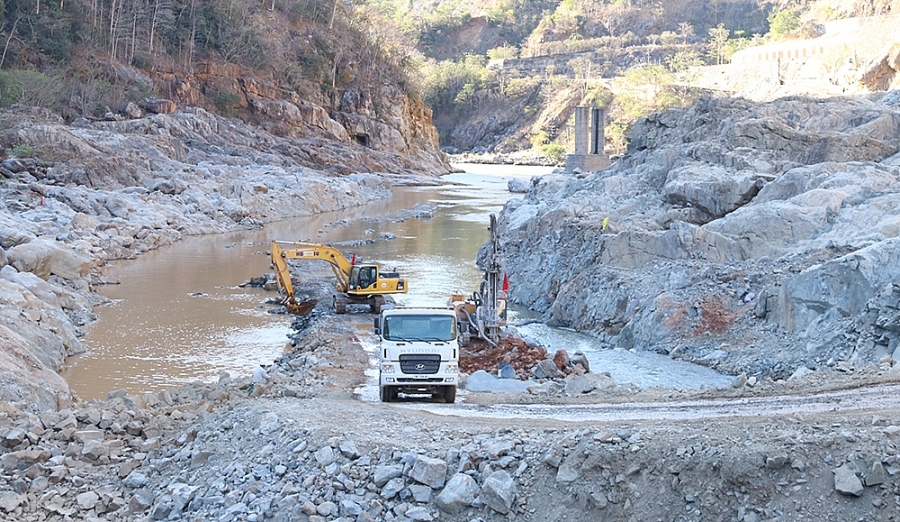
x=117 y=189
x=527 y=157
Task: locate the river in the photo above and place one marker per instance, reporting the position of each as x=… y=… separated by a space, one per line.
x=179 y=313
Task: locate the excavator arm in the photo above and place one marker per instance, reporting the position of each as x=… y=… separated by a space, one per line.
x=357 y=284
x=283 y=276
x=283 y=250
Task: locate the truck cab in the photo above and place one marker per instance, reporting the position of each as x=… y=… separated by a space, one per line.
x=419 y=352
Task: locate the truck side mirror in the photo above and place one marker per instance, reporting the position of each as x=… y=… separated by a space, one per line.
x=378 y=325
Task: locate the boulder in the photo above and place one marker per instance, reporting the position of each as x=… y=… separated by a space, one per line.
x=132 y=110
x=846 y=482
x=392 y=488
x=25 y=379
x=483 y=381
x=10 y=237
x=10 y=501
x=517 y=186
x=578 y=385
x=546 y=369
x=324 y=456
x=498 y=492
x=429 y=471
x=383 y=474
x=580 y=358
x=159 y=106
x=876 y=475
x=459 y=493
x=43 y=258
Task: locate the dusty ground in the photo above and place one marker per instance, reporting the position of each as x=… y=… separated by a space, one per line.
x=762 y=452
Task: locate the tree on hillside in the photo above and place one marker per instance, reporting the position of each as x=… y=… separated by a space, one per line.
x=717 y=41
x=686 y=31
x=645 y=90
x=584 y=70
x=783 y=23
x=683 y=61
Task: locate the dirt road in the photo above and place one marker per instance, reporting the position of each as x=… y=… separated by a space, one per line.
x=871 y=398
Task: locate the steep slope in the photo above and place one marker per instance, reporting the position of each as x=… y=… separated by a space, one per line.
x=595 y=52
x=304 y=72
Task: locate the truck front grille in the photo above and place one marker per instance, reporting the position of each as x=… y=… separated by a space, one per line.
x=420 y=363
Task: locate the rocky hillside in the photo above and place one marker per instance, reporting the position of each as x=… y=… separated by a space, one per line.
x=631 y=57
x=754 y=238
x=321 y=78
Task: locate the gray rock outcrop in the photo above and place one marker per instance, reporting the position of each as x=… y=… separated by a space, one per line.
x=726 y=218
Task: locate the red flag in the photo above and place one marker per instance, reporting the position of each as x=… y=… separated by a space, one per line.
x=353 y=259
x=505 y=283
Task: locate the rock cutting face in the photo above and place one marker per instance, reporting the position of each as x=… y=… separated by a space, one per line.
x=793 y=201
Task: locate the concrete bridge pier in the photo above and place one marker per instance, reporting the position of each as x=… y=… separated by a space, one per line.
x=589 y=140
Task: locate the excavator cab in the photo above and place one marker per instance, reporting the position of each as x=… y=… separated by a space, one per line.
x=363 y=276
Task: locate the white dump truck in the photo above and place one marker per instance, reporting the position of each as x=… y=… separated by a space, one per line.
x=419 y=352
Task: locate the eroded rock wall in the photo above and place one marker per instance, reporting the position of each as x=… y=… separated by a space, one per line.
x=749 y=237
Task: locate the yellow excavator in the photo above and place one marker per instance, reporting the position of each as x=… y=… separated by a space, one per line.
x=357 y=283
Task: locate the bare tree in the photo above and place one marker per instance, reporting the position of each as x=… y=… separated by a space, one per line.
x=583 y=68
x=12 y=33
x=686 y=31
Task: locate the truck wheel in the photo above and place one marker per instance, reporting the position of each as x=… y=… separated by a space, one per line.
x=449 y=394
x=387 y=394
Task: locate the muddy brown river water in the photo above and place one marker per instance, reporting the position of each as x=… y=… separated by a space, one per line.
x=179 y=314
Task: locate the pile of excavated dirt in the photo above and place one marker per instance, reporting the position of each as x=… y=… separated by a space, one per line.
x=478 y=354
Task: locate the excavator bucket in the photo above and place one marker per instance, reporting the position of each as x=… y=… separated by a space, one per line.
x=301 y=308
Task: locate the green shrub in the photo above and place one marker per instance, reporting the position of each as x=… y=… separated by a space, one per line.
x=539 y=139
x=226 y=102
x=520 y=87
x=554 y=151
x=21 y=151
x=783 y=23
x=506 y=52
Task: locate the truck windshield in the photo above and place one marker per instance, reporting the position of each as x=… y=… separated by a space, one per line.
x=419 y=328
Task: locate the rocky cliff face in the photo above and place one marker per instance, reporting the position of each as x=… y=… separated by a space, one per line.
x=752 y=238
x=365 y=129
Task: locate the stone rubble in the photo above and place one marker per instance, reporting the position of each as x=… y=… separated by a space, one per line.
x=237 y=450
